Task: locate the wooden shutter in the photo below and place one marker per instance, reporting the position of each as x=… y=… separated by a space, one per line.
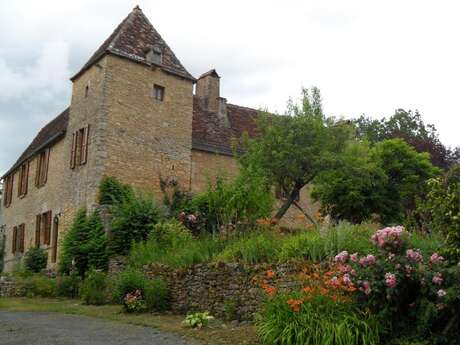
x=20 y=180
x=45 y=166
x=22 y=234
x=73 y=153
x=15 y=238
x=37 y=171
x=38 y=220
x=26 y=181
x=84 y=145
x=9 y=190
x=55 y=240
x=47 y=217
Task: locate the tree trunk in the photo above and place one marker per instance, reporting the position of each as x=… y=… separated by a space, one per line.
x=294 y=193
x=310 y=218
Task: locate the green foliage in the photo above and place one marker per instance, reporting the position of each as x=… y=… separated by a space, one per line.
x=253 y=247
x=197 y=320
x=231 y=309
x=354 y=189
x=112 y=191
x=133 y=220
x=35 y=259
x=292 y=150
x=156 y=294
x=407 y=172
x=68 y=286
x=171 y=244
x=96 y=247
x=85 y=244
x=306 y=245
x=236 y=202
x=128 y=281
x=73 y=248
x=37 y=285
x=94 y=288
x=318 y=321
x=440 y=211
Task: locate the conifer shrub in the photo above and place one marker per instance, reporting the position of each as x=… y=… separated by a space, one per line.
x=35 y=259
x=68 y=286
x=112 y=191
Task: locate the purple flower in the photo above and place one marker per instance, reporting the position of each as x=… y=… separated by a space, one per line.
x=354 y=257
x=367 y=260
x=367 y=287
x=435 y=258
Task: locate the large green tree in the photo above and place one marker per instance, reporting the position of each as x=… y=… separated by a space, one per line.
x=410 y=127
x=292 y=150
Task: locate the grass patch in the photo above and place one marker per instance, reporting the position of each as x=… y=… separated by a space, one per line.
x=217 y=333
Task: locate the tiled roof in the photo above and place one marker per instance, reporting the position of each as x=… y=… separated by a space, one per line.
x=210 y=134
x=53 y=131
x=132 y=39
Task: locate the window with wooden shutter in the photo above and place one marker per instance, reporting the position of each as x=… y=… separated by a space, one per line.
x=38 y=222
x=41 y=174
x=21 y=237
x=55 y=241
x=80 y=143
x=23 y=180
x=73 y=153
x=15 y=240
x=8 y=190
x=47 y=227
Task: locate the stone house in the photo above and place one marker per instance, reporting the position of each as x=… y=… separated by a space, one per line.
x=137 y=114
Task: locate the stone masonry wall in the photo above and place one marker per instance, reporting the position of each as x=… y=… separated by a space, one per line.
x=217 y=286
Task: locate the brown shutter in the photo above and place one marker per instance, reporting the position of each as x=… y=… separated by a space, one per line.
x=38 y=220
x=37 y=171
x=22 y=233
x=26 y=181
x=20 y=180
x=9 y=190
x=48 y=228
x=55 y=240
x=15 y=238
x=84 y=145
x=45 y=166
x=73 y=153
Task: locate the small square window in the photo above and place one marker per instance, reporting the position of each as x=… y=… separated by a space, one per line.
x=158 y=92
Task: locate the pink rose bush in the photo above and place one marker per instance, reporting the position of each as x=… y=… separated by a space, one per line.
x=399 y=282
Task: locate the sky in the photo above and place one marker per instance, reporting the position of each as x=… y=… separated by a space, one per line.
x=367 y=56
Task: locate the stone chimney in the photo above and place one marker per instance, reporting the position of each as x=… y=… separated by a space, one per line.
x=207 y=90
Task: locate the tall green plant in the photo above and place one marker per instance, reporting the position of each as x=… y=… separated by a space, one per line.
x=96 y=246
x=112 y=191
x=133 y=220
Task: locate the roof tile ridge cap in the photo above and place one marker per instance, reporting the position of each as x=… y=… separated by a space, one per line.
x=242 y=106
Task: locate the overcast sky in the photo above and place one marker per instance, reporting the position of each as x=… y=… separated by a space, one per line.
x=366 y=56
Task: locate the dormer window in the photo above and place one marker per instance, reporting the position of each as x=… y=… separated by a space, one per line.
x=155 y=56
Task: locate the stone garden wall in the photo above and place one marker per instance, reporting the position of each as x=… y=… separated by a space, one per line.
x=227 y=290
x=8 y=288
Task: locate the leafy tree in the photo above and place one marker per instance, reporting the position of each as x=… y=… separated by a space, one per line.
x=292 y=150
x=407 y=172
x=133 y=220
x=35 y=259
x=355 y=189
x=409 y=126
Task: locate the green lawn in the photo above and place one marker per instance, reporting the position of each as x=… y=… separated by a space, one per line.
x=218 y=333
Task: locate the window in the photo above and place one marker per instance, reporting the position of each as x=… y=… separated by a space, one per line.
x=55 y=239
x=158 y=92
x=18 y=239
x=41 y=174
x=43 y=229
x=80 y=142
x=23 y=180
x=8 y=190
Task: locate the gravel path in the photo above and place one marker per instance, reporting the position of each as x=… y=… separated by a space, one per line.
x=30 y=328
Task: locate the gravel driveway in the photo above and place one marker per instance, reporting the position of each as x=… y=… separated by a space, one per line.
x=30 y=328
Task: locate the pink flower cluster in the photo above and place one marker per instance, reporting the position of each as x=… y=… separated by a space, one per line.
x=390 y=236
x=390 y=279
x=414 y=255
x=437 y=279
x=342 y=257
x=367 y=287
x=436 y=258
x=368 y=260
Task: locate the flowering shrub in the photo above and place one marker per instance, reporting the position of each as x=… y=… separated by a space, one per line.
x=133 y=302
x=400 y=284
